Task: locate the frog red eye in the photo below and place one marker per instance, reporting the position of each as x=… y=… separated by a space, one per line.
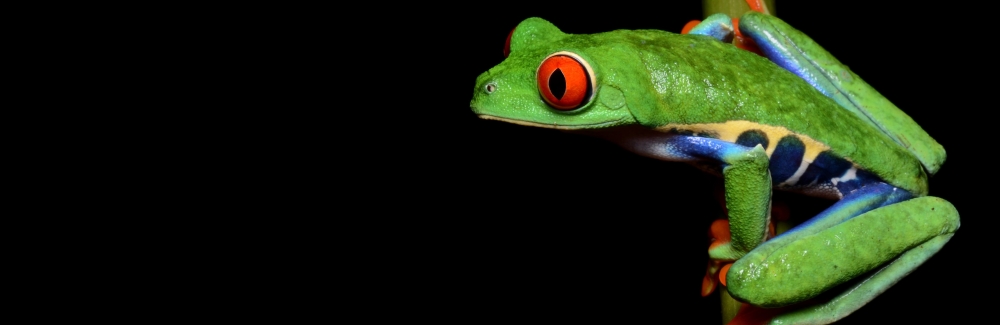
x=565 y=81
x=506 y=47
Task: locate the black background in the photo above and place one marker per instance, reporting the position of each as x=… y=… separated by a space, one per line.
x=517 y=223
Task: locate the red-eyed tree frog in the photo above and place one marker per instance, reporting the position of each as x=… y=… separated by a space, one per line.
x=793 y=119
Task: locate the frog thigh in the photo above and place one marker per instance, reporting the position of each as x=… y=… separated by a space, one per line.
x=891 y=240
x=863 y=291
x=796 y=52
x=932 y=210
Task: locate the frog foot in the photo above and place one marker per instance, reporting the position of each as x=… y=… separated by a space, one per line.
x=744 y=42
x=721 y=27
x=718 y=263
x=720 y=251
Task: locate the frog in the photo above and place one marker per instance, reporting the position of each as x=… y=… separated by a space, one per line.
x=791 y=118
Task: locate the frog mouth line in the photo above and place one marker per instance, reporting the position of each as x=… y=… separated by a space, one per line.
x=552 y=126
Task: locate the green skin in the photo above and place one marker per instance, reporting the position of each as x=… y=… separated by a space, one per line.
x=646 y=79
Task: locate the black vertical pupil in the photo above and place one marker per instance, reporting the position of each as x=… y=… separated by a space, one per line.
x=557 y=84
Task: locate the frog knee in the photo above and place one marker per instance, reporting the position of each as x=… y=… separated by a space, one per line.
x=936 y=211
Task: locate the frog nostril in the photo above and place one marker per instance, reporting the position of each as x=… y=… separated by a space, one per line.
x=491 y=87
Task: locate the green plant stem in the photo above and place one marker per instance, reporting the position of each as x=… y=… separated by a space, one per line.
x=729 y=305
x=733 y=8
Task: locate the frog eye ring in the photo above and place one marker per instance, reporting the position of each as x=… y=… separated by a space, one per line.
x=490 y=88
x=565 y=81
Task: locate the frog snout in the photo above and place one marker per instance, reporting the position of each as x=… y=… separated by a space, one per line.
x=481 y=95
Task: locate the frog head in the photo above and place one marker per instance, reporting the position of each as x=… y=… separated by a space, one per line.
x=556 y=80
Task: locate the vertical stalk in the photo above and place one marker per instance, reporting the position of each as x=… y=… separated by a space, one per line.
x=733 y=8
x=729 y=305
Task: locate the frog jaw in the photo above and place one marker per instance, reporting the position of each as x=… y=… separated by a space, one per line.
x=598 y=125
x=513 y=97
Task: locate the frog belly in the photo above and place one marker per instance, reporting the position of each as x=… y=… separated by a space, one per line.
x=797 y=162
x=827 y=176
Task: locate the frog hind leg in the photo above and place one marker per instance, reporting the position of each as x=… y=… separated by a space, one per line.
x=876 y=233
x=796 y=52
x=860 y=293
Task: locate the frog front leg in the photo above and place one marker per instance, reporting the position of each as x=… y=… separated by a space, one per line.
x=744 y=171
x=875 y=236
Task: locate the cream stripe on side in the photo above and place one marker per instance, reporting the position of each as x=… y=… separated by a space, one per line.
x=794 y=180
x=730 y=131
